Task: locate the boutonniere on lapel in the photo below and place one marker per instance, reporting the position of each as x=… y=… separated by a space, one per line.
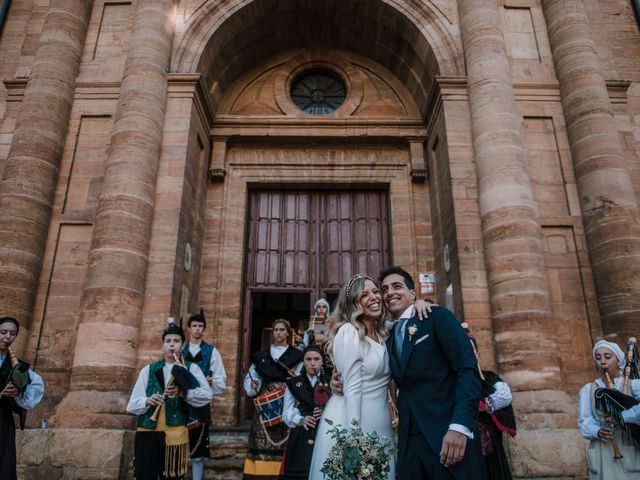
x=413 y=329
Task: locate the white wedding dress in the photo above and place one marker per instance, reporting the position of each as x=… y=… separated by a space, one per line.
x=365 y=374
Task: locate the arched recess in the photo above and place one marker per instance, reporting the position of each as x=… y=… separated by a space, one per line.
x=398 y=48
x=416 y=41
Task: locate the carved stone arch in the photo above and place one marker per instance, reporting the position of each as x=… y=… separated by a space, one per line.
x=416 y=41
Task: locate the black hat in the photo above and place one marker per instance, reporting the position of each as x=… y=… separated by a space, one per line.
x=173 y=329
x=197 y=317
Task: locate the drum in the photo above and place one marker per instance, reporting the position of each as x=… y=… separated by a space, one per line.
x=270 y=406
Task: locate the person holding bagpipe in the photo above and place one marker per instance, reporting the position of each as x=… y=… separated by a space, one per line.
x=208 y=358
x=265 y=381
x=160 y=398
x=611 y=454
x=495 y=416
x=304 y=399
x=21 y=389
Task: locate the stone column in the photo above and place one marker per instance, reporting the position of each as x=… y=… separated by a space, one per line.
x=609 y=207
x=517 y=283
x=106 y=346
x=31 y=171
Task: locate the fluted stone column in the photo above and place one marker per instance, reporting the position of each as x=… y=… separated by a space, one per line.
x=609 y=207
x=105 y=352
x=31 y=171
x=517 y=283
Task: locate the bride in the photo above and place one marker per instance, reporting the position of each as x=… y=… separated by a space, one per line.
x=357 y=345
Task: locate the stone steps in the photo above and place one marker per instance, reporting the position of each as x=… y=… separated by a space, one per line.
x=228 y=449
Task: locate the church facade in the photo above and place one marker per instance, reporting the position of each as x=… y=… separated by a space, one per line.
x=249 y=156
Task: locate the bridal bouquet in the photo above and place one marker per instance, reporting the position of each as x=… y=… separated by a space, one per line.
x=356 y=455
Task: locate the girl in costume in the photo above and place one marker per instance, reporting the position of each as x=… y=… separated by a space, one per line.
x=268 y=372
x=304 y=399
x=21 y=389
x=609 y=359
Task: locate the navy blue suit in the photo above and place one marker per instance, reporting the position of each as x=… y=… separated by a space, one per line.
x=439 y=384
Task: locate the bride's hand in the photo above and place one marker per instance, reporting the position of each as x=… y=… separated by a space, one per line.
x=336 y=383
x=308 y=422
x=422 y=308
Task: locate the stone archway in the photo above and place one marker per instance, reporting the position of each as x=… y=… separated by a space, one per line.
x=414 y=44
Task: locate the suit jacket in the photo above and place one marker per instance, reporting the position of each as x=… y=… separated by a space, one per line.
x=439 y=384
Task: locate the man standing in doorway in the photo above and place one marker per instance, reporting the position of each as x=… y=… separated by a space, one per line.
x=208 y=358
x=435 y=370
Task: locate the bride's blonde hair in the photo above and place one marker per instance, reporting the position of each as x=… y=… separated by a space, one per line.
x=348 y=310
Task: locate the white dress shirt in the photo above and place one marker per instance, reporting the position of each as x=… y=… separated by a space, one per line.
x=218 y=373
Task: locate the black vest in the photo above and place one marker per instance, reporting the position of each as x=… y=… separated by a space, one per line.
x=300 y=387
x=272 y=371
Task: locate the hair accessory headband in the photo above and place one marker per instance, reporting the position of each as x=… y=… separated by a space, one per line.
x=357 y=276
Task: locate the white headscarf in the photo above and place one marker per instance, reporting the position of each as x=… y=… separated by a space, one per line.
x=617 y=351
x=321 y=301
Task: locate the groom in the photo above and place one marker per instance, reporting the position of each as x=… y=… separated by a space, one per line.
x=434 y=367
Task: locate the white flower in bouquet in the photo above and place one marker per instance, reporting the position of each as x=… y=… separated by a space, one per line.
x=356 y=455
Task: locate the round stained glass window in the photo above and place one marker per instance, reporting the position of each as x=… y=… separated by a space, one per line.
x=318 y=91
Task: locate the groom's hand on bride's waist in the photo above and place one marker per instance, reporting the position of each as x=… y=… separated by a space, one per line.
x=453 y=446
x=336 y=383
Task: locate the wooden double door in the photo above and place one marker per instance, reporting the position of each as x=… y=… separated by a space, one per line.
x=303 y=245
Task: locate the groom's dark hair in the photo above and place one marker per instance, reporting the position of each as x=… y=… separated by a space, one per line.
x=408 y=280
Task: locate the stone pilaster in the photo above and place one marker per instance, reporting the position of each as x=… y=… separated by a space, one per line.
x=608 y=202
x=511 y=233
x=106 y=346
x=31 y=171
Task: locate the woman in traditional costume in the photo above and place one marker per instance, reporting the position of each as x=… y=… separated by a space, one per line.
x=158 y=399
x=494 y=417
x=21 y=389
x=304 y=399
x=610 y=362
x=268 y=372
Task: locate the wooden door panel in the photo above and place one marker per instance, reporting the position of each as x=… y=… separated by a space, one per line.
x=316 y=239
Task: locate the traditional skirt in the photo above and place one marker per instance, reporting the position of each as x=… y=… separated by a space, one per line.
x=7 y=443
x=297 y=454
x=495 y=458
x=266 y=446
x=199 y=441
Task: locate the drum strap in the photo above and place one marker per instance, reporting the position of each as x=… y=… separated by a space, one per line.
x=274 y=444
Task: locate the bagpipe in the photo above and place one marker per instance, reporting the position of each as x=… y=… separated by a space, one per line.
x=19 y=374
x=182 y=378
x=19 y=377
x=611 y=402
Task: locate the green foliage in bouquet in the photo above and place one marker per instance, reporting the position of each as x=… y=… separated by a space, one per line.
x=356 y=455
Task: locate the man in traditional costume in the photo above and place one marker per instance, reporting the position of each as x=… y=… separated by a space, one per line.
x=268 y=372
x=159 y=399
x=208 y=358
x=21 y=389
